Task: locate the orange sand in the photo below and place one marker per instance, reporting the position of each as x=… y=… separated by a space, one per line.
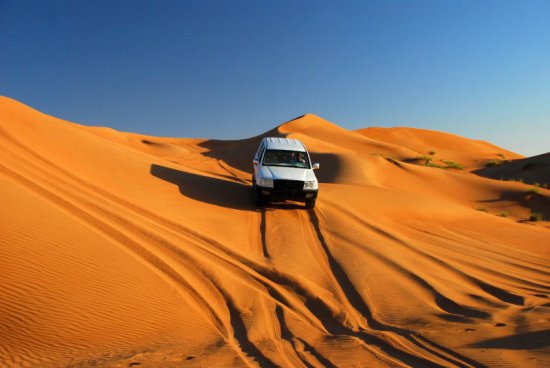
x=118 y=249
x=441 y=146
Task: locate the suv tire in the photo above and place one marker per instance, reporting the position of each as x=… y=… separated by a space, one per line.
x=257 y=197
x=310 y=203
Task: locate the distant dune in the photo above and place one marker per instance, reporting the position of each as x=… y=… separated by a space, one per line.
x=119 y=249
x=440 y=146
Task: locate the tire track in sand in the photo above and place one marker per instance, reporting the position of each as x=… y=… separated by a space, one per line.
x=150 y=257
x=391 y=345
x=403 y=344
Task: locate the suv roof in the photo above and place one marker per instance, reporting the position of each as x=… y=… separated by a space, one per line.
x=284 y=144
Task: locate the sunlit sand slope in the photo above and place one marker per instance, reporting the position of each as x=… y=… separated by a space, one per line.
x=440 y=146
x=120 y=250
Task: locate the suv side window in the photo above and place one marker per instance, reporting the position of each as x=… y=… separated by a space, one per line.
x=258 y=154
x=262 y=154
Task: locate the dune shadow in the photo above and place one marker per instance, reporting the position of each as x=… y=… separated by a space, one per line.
x=530 y=170
x=535 y=202
x=236 y=153
x=207 y=189
x=529 y=340
x=331 y=167
x=219 y=192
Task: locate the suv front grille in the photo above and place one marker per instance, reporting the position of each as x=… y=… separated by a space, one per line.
x=288 y=184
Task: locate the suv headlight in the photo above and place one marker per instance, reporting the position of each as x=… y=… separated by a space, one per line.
x=265 y=182
x=310 y=185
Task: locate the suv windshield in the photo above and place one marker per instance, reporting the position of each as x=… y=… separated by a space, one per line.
x=286 y=158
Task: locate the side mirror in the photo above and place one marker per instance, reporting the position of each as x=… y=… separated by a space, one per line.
x=316 y=166
x=254 y=162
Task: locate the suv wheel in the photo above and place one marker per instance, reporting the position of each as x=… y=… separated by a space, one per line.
x=310 y=203
x=257 y=197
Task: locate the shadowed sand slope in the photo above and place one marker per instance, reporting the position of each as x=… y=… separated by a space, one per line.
x=530 y=170
x=120 y=249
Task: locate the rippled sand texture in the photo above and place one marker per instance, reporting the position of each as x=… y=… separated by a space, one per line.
x=118 y=249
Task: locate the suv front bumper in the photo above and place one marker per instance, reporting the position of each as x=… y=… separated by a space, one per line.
x=281 y=194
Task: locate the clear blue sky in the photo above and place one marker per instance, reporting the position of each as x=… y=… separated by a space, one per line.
x=236 y=68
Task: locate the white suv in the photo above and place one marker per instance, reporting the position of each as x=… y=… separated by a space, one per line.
x=283 y=170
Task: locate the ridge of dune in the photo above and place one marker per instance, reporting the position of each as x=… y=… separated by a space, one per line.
x=443 y=146
x=121 y=249
x=312 y=126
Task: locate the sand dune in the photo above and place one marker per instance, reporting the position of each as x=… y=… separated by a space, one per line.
x=119 y=249
x=440 y=146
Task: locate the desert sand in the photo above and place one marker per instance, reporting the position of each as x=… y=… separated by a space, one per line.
x=119 y=249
